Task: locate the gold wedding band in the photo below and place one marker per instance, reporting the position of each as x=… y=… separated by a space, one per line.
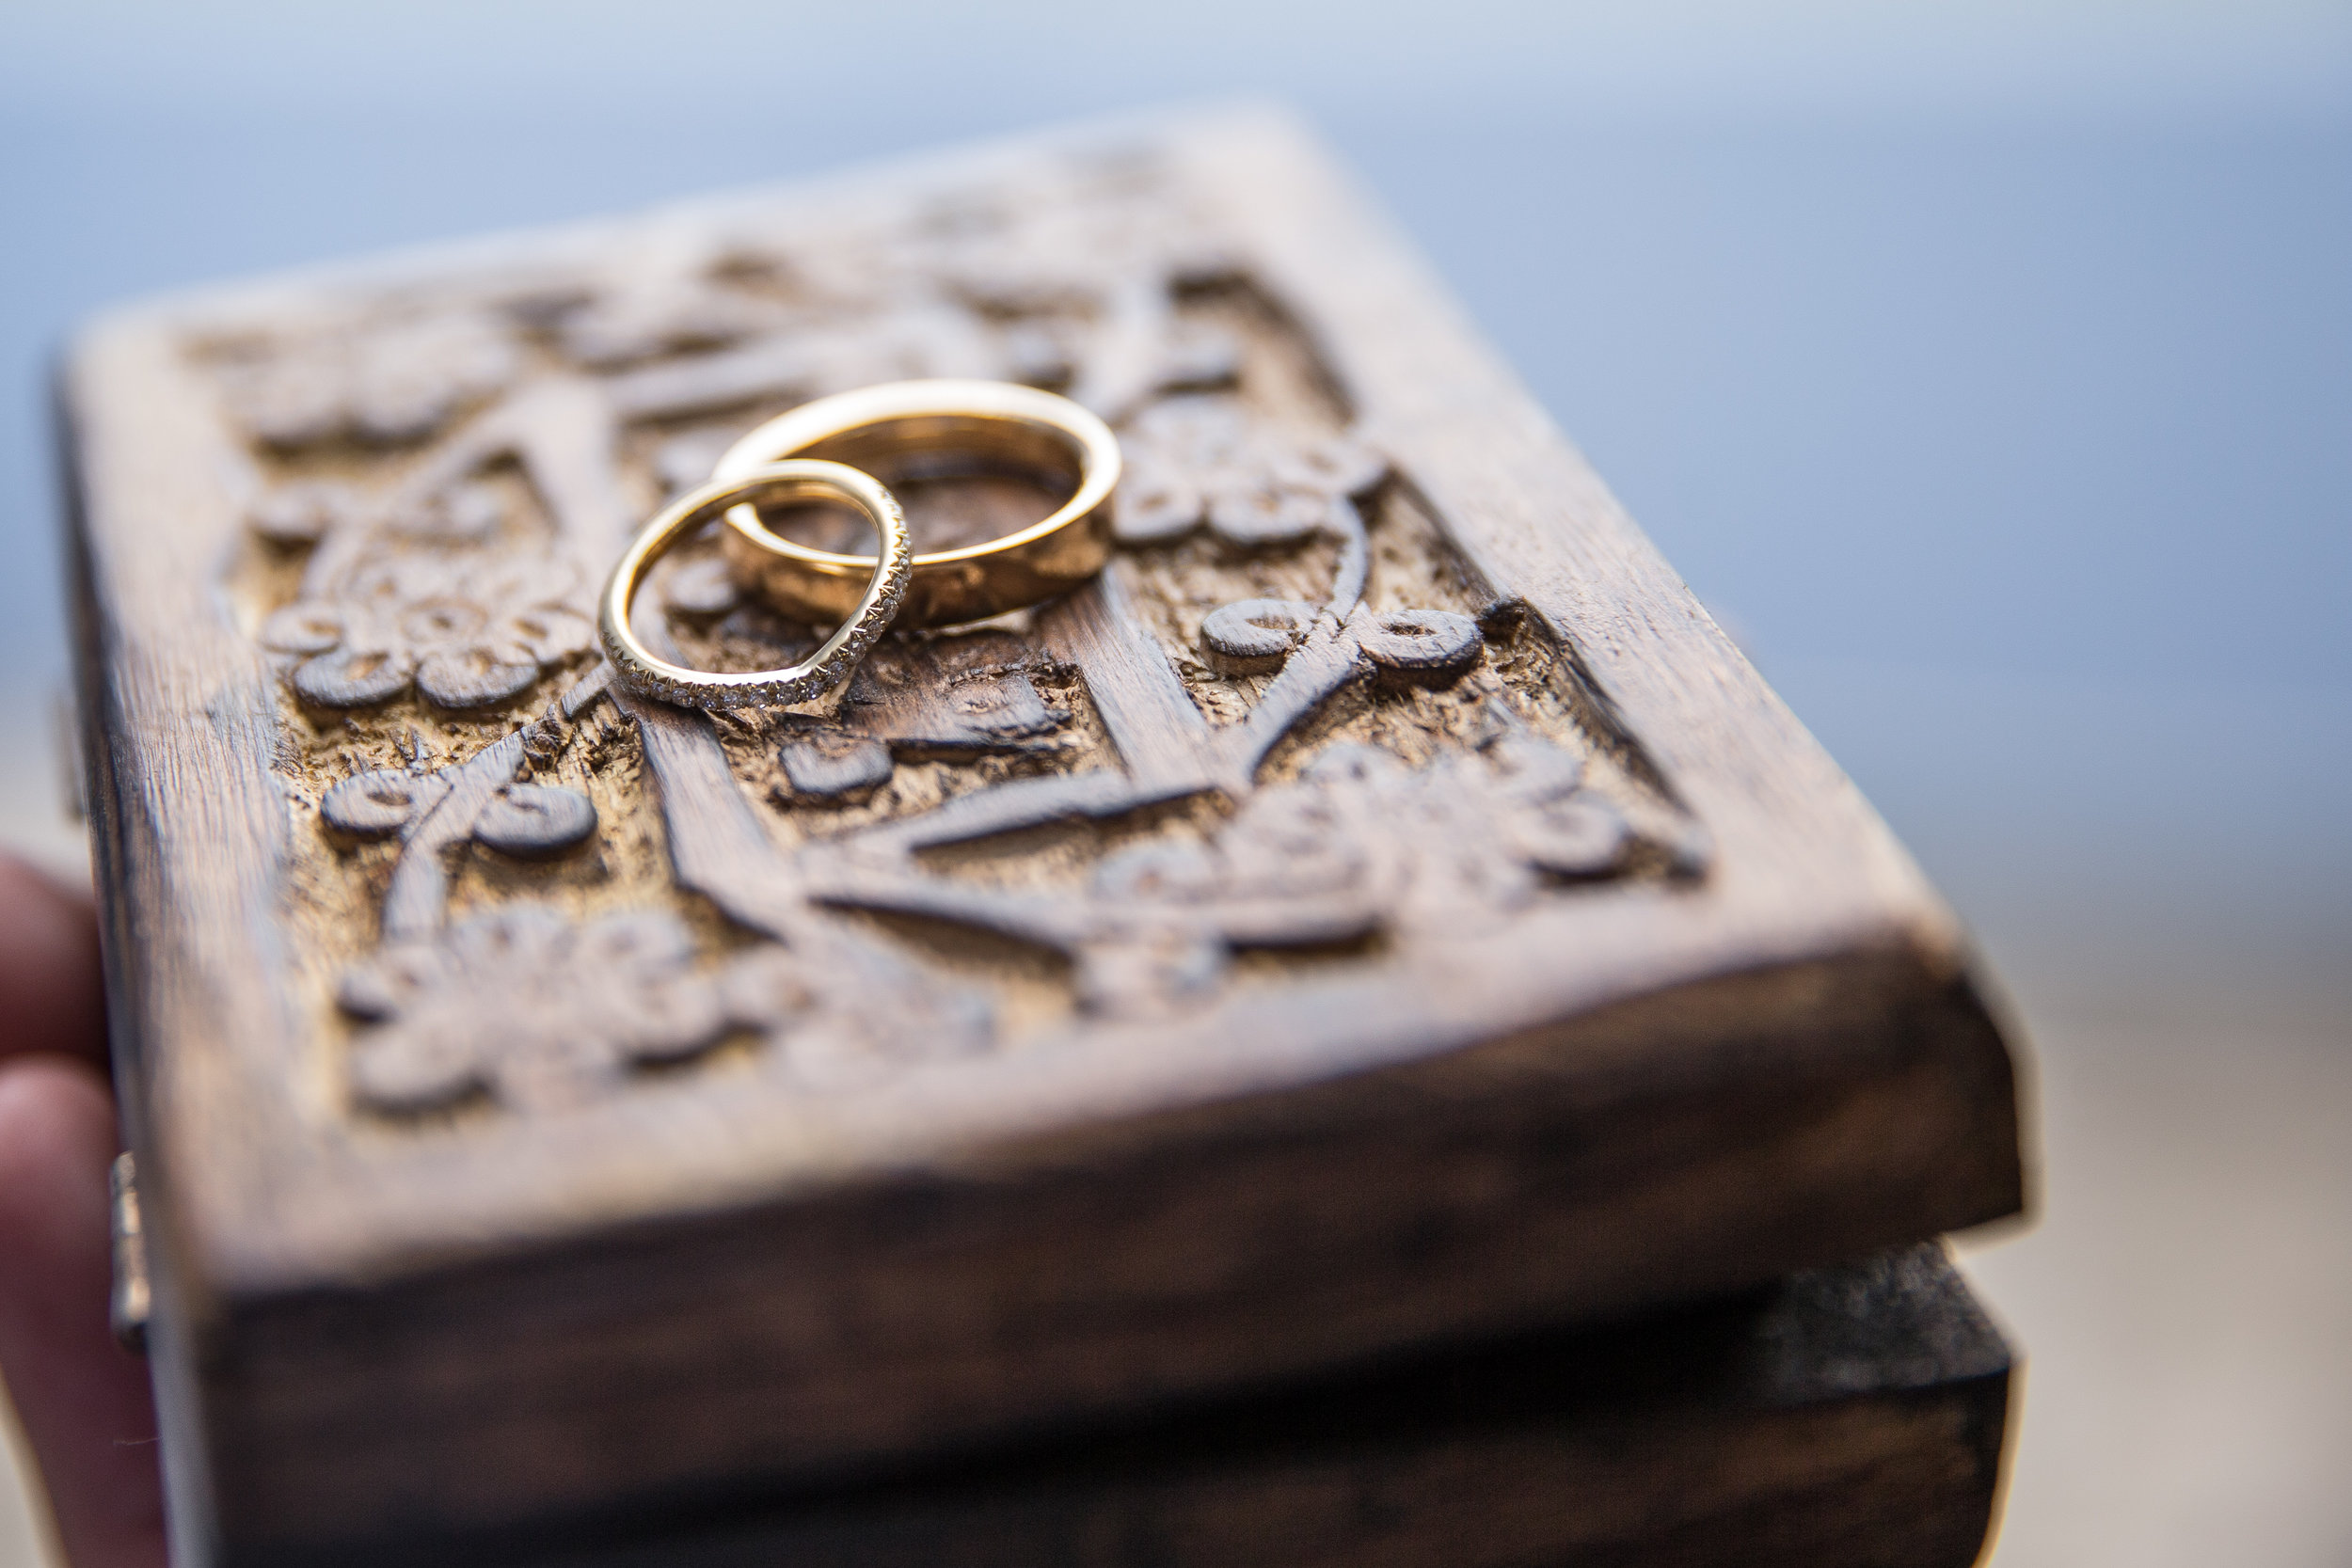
x=863 y=619
x=915 y=430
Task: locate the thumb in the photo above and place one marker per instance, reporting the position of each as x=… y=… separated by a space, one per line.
x=84 y=1401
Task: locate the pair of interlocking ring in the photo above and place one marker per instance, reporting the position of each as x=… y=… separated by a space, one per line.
x=832 y=450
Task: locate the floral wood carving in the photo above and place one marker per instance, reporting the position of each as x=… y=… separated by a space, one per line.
x=526 y=1005
x=462 y=631
x=1201 y=460
x=386 y=384
x=541 y=1013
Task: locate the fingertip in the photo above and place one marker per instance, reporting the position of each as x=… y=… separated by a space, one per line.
x=52 y=993
x=56 y=1139
x=84 y=1401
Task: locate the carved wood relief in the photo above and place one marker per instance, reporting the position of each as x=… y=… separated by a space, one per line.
x=1288 y=729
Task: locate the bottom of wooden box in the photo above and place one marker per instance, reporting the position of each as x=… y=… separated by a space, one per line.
x=1850 y=1415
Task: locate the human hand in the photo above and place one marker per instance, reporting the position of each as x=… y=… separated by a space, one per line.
x=84 y=1401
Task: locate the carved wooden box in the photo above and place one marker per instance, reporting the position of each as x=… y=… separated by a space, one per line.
x=1383 y=911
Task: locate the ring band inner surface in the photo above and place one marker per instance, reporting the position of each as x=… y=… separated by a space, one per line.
x=918 y=429
x=639 y=668
x=917 y=448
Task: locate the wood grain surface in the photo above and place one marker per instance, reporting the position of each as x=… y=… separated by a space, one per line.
x=1383 y=909
x=1846 y=1418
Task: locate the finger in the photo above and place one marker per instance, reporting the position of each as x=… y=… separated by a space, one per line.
x=83 y=1400
x=51 y=998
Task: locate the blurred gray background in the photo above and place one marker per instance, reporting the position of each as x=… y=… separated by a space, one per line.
x=1986 y=367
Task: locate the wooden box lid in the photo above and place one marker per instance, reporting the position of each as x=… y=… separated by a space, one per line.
x=543 y=1100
